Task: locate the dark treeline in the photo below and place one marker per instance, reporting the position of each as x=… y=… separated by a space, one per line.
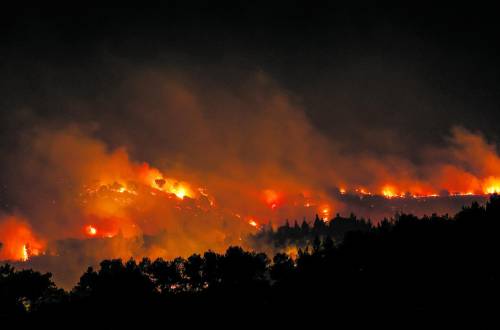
x=303 y=235
x=407 y=266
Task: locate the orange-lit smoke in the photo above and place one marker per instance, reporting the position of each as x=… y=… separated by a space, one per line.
x=182 y=171
x=17 y=239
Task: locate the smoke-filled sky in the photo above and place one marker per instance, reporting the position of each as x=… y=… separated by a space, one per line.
x=408 y=74
x=244 y=111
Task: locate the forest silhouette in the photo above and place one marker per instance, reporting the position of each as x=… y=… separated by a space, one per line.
x=406 y=266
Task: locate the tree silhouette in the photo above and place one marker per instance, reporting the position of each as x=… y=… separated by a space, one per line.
x=406 y=266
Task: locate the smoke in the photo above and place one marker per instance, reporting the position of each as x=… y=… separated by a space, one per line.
x=166 y=163
x=17 y=239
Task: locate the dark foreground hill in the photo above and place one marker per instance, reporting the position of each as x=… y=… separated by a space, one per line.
x=410 y=267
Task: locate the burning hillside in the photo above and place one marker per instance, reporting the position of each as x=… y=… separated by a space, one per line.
x=74 y=194
x=96 y=193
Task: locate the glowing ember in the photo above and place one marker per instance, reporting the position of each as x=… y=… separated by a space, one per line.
x=325 y=213
x=363 y=191
x=252 y=223
x=171 y=186
x=91 y=230
x=180 y=192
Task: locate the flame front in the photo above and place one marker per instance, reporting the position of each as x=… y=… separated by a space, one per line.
x=185 y=212
x=492 y=185
x=389 y=192
x=18 y=240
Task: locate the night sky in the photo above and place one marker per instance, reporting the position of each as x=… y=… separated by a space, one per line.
x=407 y=73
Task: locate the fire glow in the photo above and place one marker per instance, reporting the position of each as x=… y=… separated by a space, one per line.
x=91 y=230
x=104 y=201
x=22 y=243
x=18 y=240
x=120 y=198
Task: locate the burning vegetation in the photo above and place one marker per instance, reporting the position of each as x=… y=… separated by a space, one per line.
x=18 y=240
x=102 y=194
x=80 y=194
x=407 y=266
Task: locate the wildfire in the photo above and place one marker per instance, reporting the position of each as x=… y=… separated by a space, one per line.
x=252 y=223
x=493 y=190
x=271 y=198
x=389 y=192
x=111 y=215
x=156 y=180
x=180 y=192
x=24 y=253
x=91 y=230
x=362 y=191
x=325 y=213
x=18 y=241
x=171 y=186
x=142 y=200
x=492 y=185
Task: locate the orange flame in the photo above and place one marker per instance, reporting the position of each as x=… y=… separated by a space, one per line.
x=19 y=242
x=389 y=192
x=155 y=179
x=325 y=213
x=24 y=253
x=91 y=230
x=491 y=185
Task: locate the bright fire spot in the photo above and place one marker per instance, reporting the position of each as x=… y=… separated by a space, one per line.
x=342 y=191
x=180 y=192
x=389 y=192
x=171 y=186
x=362 y=191
x=492 y=186
x=252 y=223
x=18 y=241
x=292 y=251
x=24 y=253
x=91 y=230
x=493 y=190
x=325 y=213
